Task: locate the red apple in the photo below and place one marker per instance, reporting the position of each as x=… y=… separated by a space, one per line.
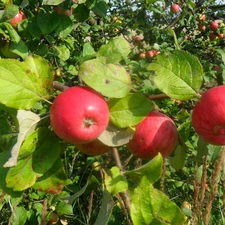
x=54 y=218
x=214 y=26
x=79 y=115
x=212 y=36
x=19 y=17
x=202 y=17
x=221 y=36
x=175 y=8
x=216 y=68
x=142 y=55
x=201 y=27
x=156 y=133
x=95 y=147
x=150 y=53
x=67 y=12
x=208 y=117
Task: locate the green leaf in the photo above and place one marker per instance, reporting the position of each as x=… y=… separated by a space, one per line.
x=33 y=28
x=47 y=22
x=9 y=12
x=37 y=155
x=222 y=53
x=177 y=161
x=88 y=51
x=105 y=209
x=53 y=180
x=62 y=52
x=179 y=75
x=100 y=8
x=65 y=26
x=63 y=208
x=81 y=12
x=130 y=110
x=27 y=123
x=115 y=182
x=114 y=136
x=151 y=206
x=52 y=2
x=27 y=82
x=151 y=170
x=111 y=80
x=3 y=173
x=115 y=50
x=20 y=216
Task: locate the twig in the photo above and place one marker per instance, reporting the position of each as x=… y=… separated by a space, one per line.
x=90 y=205
x=59 y=86
x=213 y=191
x=124 y=196
x=44 y=212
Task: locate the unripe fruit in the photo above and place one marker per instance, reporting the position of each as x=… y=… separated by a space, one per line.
x=202 y=17
x=19 y=17
x=208 y=117
x=95 y=147
x=142 y=55
x=175 y=8
x=79 y=115
x=156 y=133
x=214 y=26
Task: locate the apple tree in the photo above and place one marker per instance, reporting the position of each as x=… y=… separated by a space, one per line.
x=110 y=112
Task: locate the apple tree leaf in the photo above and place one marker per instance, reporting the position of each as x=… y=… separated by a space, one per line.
x=115 y=182
x=65 y=26
x=53 y=180
x=62 y=52
x=52 y=2
x=151 y=170
x=130 y=110
x=27 y=82
x=151 y=206
x=222 y=53
x=98 y=7
x=27 y=123
x=177 y=161
x=111 y=80
x=105 y=209
x=3 y=173
x=179 y=75
x=115 y=50
x=38 y=153
x=114 y=136
x=47 y=22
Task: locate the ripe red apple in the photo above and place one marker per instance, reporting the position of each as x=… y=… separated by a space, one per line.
x=221 y=36
x=19 y=17
x=201 y=27
x=142 y=55
x=150 y=53
x=79 y=115
x=175 y=8
x=156 y=133
x=212 y=36
x=208 y=117
x=214 y=26
x=216 y=68
x=95 y=147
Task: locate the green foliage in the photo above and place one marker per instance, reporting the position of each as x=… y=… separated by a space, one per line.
x=95 y=43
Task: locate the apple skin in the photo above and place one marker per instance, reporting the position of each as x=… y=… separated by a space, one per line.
x=79 y=115
x=19 y=17
x=212 y=36
x=67 y=12
x=175 y=8
x=221 y=36
x=201 y=27
x=156 y=133
x=93 y=148
x=208 y=116
x=142 y=55
x=214 y=26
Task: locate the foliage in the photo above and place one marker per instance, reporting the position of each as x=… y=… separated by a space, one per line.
x=67 y=43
